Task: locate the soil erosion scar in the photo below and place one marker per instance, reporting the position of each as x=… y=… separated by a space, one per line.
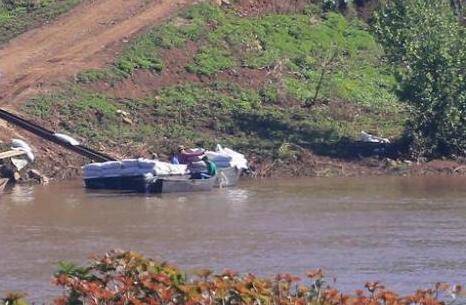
x=87 y=37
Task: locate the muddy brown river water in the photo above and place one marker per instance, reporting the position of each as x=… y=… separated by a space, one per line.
x=407 y=232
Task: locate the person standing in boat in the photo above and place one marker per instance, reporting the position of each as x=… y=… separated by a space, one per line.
x=186 y=157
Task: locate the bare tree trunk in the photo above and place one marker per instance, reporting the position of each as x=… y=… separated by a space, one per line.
x=327 y=67
x=319 y=84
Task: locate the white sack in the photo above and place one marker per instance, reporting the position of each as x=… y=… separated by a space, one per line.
x=368 y=138
x=146 y=163
x=111 y=165
x=129 y=163
x=218 y=157
x=67 y=139
x=237 y=160
x=17 y=143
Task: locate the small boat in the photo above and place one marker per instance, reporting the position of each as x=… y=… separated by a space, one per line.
x=3 y=183
x=181 y=185
x=141 y=184
x=228 y=177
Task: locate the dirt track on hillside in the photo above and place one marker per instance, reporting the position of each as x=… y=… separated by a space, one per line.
x=89 y=36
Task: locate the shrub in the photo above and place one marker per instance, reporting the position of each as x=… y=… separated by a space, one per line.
x=129 y=278
x=210 y=61
x=425 y=40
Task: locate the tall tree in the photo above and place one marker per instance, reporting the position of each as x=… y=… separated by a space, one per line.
x=425 y=41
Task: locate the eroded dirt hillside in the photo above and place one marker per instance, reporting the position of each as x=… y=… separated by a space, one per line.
x=89 y=36
x=84 y=38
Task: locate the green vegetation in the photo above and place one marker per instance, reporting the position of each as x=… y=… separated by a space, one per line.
x=426 y=42
x=17 y=17
x=207 y=114
x=144 y=52
x=129 y=278
x=210 y=61
x=297 y=44
x=318 y=81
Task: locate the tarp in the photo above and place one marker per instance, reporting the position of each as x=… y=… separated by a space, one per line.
x=226 y=157
x=133 y=167
x=20 y=145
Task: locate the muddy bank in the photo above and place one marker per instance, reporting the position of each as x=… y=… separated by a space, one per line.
x=57 y=164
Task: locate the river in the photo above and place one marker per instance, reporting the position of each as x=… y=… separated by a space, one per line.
x=406 y=232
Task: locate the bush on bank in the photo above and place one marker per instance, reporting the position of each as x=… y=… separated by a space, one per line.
x=129 y=278
x=425 y=40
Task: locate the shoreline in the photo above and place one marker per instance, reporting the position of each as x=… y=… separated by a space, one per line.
x=310 y=168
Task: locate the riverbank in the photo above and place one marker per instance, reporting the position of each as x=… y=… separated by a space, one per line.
x=299 y=162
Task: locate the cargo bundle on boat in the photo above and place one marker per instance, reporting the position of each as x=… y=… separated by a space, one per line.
x=15 y=159
x=154 y=176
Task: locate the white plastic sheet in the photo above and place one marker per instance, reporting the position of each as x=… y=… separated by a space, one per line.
x=225 y=157
x=133 y=167
x=67 y=139
x=368 y=138
x=20 y=145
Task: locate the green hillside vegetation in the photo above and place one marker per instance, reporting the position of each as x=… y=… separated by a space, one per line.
x=426 y=41
x=17 y=16
x=295 y=54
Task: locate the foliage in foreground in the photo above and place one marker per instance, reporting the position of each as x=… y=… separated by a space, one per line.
x=426 y=41
x=131 y=279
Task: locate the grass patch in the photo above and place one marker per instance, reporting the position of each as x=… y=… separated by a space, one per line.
x=210 y=61
x=144 y=51
x=93 y=75
x=21 y=16
x=356 y=94
x=295 y=43
x=206 y=114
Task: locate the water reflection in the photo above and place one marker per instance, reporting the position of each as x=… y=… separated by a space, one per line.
x=407 y=232
x=237 y=195
x=20 y=194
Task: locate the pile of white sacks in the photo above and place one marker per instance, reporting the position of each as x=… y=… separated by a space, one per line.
x=20 y=145
x=133 y=167
x=222 y=157
x=225 y=157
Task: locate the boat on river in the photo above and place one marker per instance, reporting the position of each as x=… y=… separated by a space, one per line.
x=227 y=177
x=154 y=176
x=152 y=185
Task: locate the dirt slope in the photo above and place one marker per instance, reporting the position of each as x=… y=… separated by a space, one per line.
x=86 y=37
x=89 y=36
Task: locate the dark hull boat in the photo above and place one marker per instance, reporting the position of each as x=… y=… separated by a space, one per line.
x=181 y=185
x=227 y=177
x=157 y=185
x=124 y=183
